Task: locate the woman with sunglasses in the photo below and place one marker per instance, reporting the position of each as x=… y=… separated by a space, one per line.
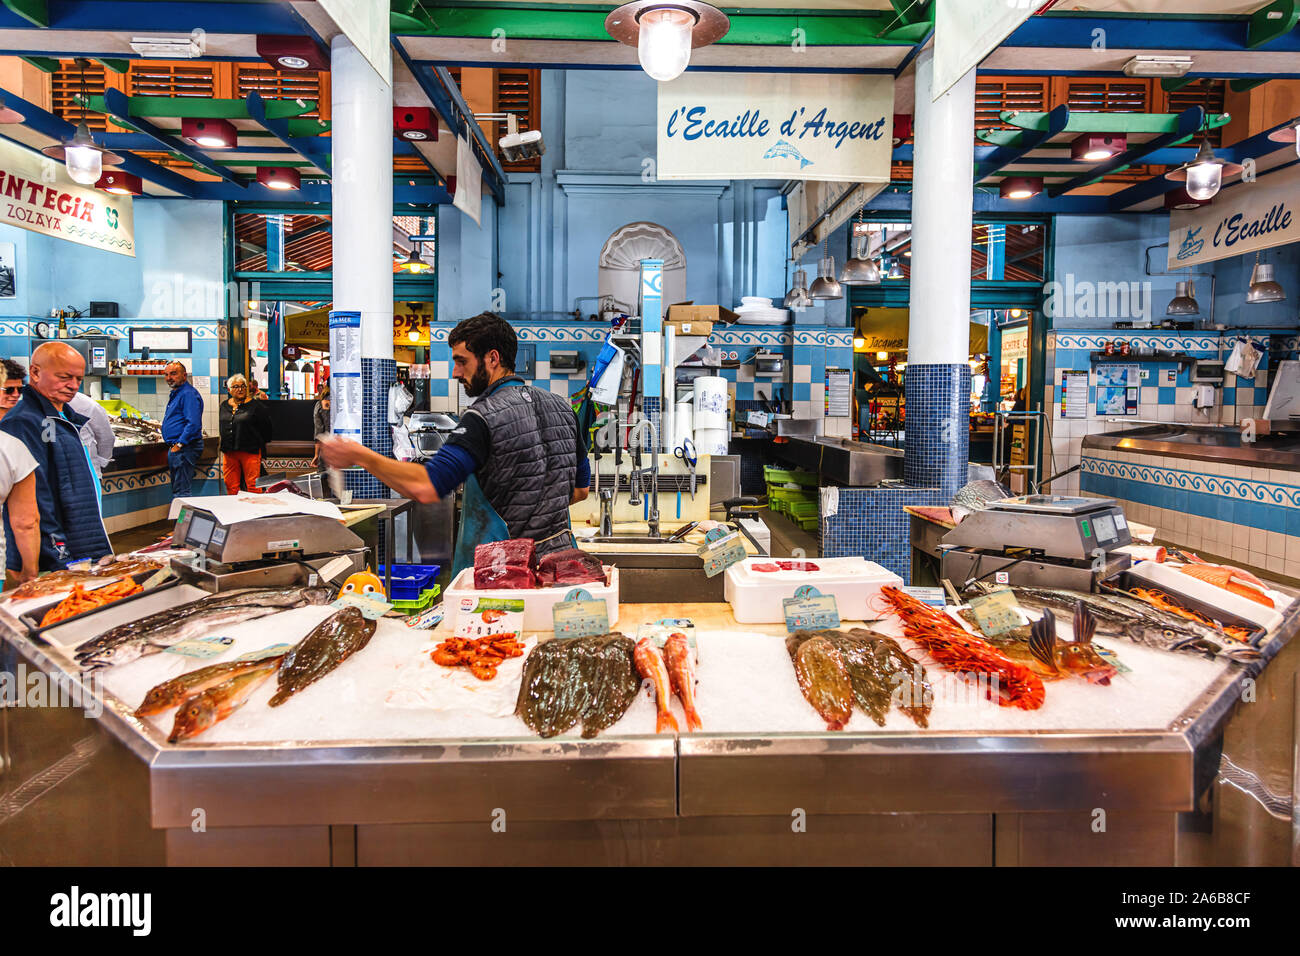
x=11 y=386
x=244 y=427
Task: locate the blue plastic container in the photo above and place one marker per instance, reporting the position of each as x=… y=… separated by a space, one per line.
x=409 y=580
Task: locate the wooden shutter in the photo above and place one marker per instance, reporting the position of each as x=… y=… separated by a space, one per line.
x=272 y=84
x=1208 y=94
x=994 y=95
x=174 y=78
x=65 y=84
x=1108 y=95
x=517 y=92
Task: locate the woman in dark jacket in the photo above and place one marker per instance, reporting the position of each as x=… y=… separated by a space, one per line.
x=245 y=428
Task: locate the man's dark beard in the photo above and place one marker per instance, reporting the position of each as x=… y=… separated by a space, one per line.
x=478 y=383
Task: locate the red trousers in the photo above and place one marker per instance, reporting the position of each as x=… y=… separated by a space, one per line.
x=235 y=462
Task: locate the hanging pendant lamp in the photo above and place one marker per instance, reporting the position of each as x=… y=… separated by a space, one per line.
x=1263 y=287
x=84 y=158
x=860 y=270
x=826 y=286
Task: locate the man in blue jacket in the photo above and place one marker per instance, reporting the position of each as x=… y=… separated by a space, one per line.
x=67 y=491
x=182 y=429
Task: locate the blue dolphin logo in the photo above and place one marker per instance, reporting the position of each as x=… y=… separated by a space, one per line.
x=782 y=149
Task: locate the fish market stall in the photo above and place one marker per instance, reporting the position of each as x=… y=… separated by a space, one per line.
x=333 y=739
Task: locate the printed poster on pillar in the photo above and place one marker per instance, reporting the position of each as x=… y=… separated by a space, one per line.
x=828 y=127
x=37 y=194
x=1243 y=218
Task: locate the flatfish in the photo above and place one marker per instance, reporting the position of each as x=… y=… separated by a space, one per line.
x=551 y=692
x=910 y=688
x=329 y=644
x=592 y=679
x=823 y=679
x=614 y=682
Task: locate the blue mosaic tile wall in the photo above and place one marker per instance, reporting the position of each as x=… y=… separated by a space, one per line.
x=377 y=375
x=871 y=523
x=937 y=448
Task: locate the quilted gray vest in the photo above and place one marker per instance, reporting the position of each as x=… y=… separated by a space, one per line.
x=532 y=463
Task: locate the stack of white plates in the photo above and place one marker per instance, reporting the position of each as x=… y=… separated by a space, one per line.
x=755 y=310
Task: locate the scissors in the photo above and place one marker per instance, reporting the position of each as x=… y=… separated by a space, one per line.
x=686 y=452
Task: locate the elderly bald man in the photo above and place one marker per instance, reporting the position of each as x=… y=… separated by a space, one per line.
x=67 y=492
x=182 y=429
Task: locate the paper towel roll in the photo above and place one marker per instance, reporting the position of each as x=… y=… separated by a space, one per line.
x=710 y=402
x=683 y=423
x=711 y=441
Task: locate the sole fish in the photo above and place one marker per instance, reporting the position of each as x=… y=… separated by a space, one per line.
x=650 y=665
x=198 y=713
x=910 y=688
x=615 y=683
x=681 y=672
x=824 y=681
x=588 y=679
x=549 y=701
x=170 y=693
x=329 y=644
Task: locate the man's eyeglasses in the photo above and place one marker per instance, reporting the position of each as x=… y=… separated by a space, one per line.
x=12 y=389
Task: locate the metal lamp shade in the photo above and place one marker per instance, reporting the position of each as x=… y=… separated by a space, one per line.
x=895 y=271
x=1263 y=287
x=1184 y=301
x=860 y=270
x=797 y=297
x=825 y=285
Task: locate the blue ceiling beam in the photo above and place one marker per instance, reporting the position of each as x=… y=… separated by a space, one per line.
x=1030 y=139
x=1140 y=33
x=57 y=128
x=1189 y=121
x=123 y=16
x=120 y=141
x=118 y=106
x=991 y=202
x=314 y=149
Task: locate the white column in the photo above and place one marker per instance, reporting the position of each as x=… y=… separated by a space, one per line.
x=942 y=172
x=361 y=133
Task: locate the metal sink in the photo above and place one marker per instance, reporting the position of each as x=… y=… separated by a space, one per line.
x=661 y=576
x=628 y=539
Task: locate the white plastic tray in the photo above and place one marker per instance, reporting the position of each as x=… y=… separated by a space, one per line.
x=1168 y=575
x=537 y=601
x=756 y=596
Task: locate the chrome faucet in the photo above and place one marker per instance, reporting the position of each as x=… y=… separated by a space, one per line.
x=606 y=512
x=653 y=517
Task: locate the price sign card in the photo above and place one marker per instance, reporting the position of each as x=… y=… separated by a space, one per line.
x=659 y=631
x=426 y=619
x=486 y=617
x=996 y=612
x=275 y=650
x=935 y=597
x=810 y=610
x=202 y=648
x=371 y=609
x=758 y=419
x=579 y=615
x=721 y=552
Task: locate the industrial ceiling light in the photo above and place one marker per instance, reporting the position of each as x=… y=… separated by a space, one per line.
x=515 y=146
x=1263 y=288
x=665 y=33
x=1204 y=174
x=797 y=298
x=416 y=123
x=825 y=286
x=1290 y=134
x=171 y=48
x=895 y=271
x=1184 y=300
x=119 y=183
x=1094 y=147
x=1020 y=187
x=9 y=116
x=84 y=158
x=279 y=177
x=1144 y=65
x=860 y=270
x=286 y=52
x=210 y=133
x=1178 y=199
x=882 y=356
x=414 y=263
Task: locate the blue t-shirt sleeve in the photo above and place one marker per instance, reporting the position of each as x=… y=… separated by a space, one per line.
x=449 y=468
x=584 y=472
x=193 y=417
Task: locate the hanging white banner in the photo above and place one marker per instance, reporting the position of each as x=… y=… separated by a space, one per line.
x=1242 y=218
x=365 y=24
x=828 y=127
x=37 y=194
x=966 y=31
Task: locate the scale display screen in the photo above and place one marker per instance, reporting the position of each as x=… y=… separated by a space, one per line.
x=200 y=531
x=1104 y=525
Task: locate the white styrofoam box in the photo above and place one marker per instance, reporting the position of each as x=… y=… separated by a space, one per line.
x=1167 y=575
x=537 y=601
x=755 y=596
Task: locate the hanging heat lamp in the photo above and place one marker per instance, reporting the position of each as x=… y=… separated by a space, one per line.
x=1263 y=287
x=797 y=298
x=1020 y=187
x=1288 y=134
x=279 y=177
x=664 y=33
x=895 y=271
x=826 y=286
x=860 y=270
x=1204 y=174
x=9 y=116
x=84 y=158
x=1184 y=300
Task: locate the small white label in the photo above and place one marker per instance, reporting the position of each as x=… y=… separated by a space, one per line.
x=1119 y=521
x=1001 y=577
x=288 y=544
x=334 y=568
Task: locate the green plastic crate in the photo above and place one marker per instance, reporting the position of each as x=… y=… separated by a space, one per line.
x=780 y=476
x=418 y=604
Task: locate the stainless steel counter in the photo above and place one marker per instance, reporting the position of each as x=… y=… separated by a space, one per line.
x=915 y=797
x=841 y=461
x=1203 y=443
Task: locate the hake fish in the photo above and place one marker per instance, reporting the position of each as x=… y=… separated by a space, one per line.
x=1136 y=621
x=155 y=633
x=198 y=713
x=329 y=644
x=823 y=679
x=170 y=693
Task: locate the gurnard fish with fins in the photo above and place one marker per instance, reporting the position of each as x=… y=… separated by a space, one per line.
x=681 y=672
x=650 y=664
x=196 y=714
x=1037 y=646
x=328 y=645
x=172 y=692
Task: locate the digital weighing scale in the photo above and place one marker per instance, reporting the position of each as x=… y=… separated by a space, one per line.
x=1038 y=540
x=269 y=551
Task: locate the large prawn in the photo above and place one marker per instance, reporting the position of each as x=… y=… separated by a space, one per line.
x=953 y=648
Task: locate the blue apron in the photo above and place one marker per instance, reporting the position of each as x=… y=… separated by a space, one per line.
x=479 y=521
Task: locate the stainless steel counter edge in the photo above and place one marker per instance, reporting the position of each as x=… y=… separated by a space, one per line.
x=1153 y=440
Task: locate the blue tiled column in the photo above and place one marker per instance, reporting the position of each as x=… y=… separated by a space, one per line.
x=377 y=376
x=938 y=426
